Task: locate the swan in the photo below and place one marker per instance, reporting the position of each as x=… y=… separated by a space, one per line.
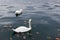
x=18 y=12
x=23 y=28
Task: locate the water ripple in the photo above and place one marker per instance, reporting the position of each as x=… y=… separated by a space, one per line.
x=10 y=7
x=11 y=11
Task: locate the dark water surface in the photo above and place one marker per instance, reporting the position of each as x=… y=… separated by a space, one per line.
x=45 y=15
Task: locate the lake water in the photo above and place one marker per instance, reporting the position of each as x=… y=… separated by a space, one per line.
x=45 y=15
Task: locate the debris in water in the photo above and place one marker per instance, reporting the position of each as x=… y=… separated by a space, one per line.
x=17 y=35
x=57 y=38
x=37 y=33
x=10 y=38
x=24 y=37
x=48 y=37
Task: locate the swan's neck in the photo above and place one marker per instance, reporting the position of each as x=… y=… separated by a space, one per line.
x=29 y=24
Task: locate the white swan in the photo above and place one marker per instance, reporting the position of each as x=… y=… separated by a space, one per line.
x=23 y=28
x=18 y=12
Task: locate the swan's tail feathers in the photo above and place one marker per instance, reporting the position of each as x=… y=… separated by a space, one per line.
x=13 y=29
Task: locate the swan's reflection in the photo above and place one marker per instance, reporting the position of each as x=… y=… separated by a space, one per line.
x=30 y=35
x=23 y=35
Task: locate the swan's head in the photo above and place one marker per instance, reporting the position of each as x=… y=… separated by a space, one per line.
x=30 y=20
x=21 y=9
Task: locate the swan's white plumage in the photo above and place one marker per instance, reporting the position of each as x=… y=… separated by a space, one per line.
x=18 y=11
x=23 y=28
